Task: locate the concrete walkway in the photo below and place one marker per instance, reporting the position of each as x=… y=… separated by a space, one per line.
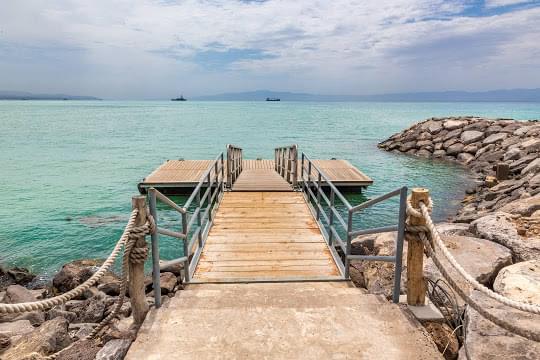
x=324 y=320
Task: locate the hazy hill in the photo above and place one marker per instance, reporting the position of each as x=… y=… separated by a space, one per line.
x=20 y=95
x=514 y=95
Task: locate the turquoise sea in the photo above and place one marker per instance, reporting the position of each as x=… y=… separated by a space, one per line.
x=68 y=169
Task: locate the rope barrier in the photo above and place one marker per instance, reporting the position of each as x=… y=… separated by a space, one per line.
x=433 y=242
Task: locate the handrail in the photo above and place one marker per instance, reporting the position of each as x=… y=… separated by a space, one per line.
x=312 y=180
x=286 y=163
x=196 y=223
x=234 y=163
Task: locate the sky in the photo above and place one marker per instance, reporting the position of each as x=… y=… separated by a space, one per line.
x=143 y=49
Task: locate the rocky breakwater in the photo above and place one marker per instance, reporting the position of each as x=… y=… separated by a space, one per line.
x=495 y=235
x=36 y=334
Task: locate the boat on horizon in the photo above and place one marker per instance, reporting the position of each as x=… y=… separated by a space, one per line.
x=272 y=99
x=181 y=98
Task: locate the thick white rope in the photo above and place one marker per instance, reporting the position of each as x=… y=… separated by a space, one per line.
x=425 y=213
x=61 y=299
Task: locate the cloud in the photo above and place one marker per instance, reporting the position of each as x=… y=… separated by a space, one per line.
x=145 y=48
x=499 y=3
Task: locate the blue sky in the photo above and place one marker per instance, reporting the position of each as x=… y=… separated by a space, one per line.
x=156 y=49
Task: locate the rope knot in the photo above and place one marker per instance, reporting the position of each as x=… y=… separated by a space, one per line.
x=138 y=255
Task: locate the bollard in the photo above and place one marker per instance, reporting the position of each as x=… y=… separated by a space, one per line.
x=416 y=286
x=137 y=293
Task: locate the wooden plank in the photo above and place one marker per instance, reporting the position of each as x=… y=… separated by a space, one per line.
x=274 y=237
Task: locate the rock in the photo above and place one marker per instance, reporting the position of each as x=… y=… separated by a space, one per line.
x=498 y=227
x=465 y=157
x=531 y=145
x=439 y=153
x=114 y=350
x=407 y=146
x=5 y=342
x=167 y=282
x=176 y=269
x=449 y=143
x=81 y=350
x=524 y=207
x=36 y=318
x=453 y=229
x=423 y=153
x=535 y=180
x=454 y=134
x=91 y=310
x=484 y=150
x=494 y=138
x=18 y=294
x=15 y=328
x=513 y=154
x=68 y=315
x=485 y=341
x=481 y=258
x=444 y=338
x=21 y=276
x=471 y=136
x=110 y=285
x=471 y=148
x=533 y=167
x=520 y=282
x=50 y=337
x=434 y=127
x=454 y=149
x=454 y=124
x=74 y=273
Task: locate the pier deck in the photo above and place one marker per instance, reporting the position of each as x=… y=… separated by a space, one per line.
x=183 y=175
x=264 y=236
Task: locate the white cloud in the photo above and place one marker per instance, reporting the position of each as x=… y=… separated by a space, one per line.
x=146 y=48
x=499 y=3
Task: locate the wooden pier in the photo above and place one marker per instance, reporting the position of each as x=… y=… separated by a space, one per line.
x=181 y=176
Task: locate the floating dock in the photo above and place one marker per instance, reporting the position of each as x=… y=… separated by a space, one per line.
x=181 y=176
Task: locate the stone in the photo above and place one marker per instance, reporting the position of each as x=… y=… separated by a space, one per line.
x=454 y=149
x=407 y=146
x=74 y=273
x=444 y=338
x=114 y=350
x=50 y=337
x=531 y=145
x=18 y=294
x=167 y=282
x=485 y=341
x=109 y=284
x=68 y=315
x=91 y=310
x=449 y=143
x=523 y=207
x=513 y=154
x=498 y=227
x=454 y=134
x=494 y=138
x=15 y=328
x=20 y=275
x=176 y=269
x=491 y=157
x=465 y=157
x=481 y=258
x=520 y=282
x=471 y=136
x=434 y=127
x=81 y=350
x=471 y=148
x=423 y=153
x=439 y=153
x=5 y=342
x=453 y=229
x=535 y=181
x=454 y=124
x=533 y=167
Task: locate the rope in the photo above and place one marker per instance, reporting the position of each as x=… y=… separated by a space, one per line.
x=527 y=307
x=61 y=299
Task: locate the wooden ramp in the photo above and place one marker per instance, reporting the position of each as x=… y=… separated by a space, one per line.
x=260 y=180
x=266 y=236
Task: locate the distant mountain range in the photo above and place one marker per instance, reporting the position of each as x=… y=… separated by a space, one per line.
x=514 y=95
x=20 y=95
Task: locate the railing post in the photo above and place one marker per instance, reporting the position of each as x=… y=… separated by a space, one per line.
x=399 y=244
x=222 y=173
x=136 y=269
x=187 y=276
x=229 y=165
x=156 y=283
x=199 y=220
x=416 y=285
x=295 y=166
x=348 y=245
x=289 y=164
x=331 y=216
x=319 y=196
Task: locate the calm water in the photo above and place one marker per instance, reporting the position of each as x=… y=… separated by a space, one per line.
x=69 y=169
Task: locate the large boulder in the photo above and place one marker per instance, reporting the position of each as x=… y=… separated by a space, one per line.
x=114 y=350
x=50 y=337
x=520 y=282
x=481 y=258
x=498 y=227
x=486 y=341
x=17 y=294
x=75 y=273
x=471 y=136
x=494 y=138
x=523 y=207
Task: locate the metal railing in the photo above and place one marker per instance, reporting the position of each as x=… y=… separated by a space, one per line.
x=234 y=164
x=197 y=215
x=286 y=163
x=313 y=179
